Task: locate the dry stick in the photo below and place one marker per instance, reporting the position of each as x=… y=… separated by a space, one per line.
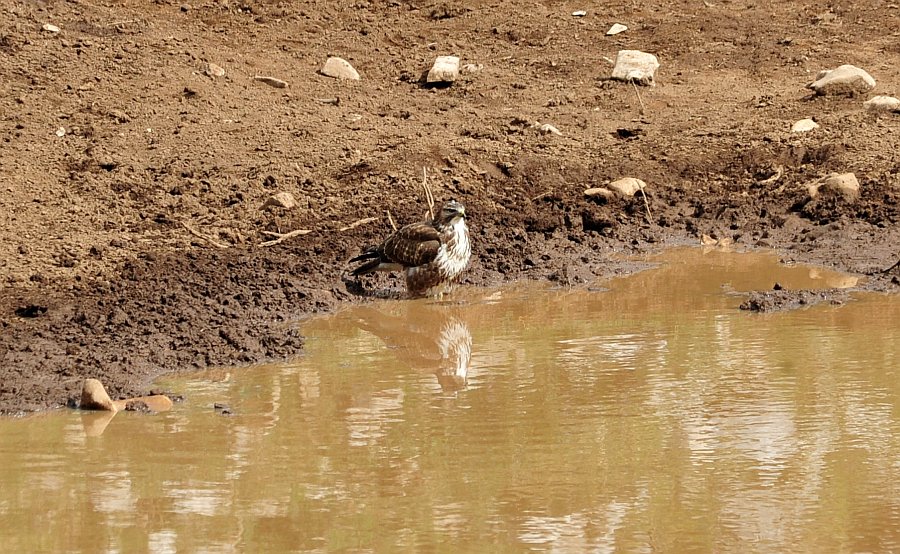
x=428 y=196
x=283 y=236
x=891 y=268
x=646 y=205
x=391 y=220
x=207 y=238
x=359 y=222
x=636 y=91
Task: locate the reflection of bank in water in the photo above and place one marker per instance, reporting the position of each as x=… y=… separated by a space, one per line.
x=426 y=337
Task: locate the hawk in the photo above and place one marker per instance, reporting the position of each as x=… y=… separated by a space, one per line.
x=432 y=254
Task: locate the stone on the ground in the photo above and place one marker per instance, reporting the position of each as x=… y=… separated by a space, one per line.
x=213 y=70
x=339 y=68
x=271 y=81
x=284 y=200
x=50 y=28
x=635 y=66
x=804 y=125
x=579 y=13
x=95 y=397
x=627 y=186
x=471 y=68
x=845 y=184
x=616 y=29
x=548 y=129
x=882 y=104
x=846 y=79
x=599 y=191
x=444 y=70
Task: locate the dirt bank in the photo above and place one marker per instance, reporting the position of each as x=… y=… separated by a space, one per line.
x=134 y=181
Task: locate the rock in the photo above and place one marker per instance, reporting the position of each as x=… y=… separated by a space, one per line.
x=616 y=29
x=284 y=200
x=845 y=184
x=271 y=81
x=95 y=397
x=635 y=66
x=471 y=68
x=444 y=70
x=579 y=13
x=627 y=186
x=213 y=70
x=50 y=28
x=846 y=79
x=155 y=403
x=61 y=132
x=548 y=129
x=339 y=68
x=599 y=191
x=804 y=125
x=882 y=104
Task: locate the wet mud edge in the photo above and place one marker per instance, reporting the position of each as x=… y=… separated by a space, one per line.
x=207 y=307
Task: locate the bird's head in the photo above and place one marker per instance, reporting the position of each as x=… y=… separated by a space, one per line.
x=451 y=212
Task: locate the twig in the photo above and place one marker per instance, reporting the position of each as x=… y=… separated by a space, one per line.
x=636 y=91
x=200 y=235
x=888 y=270
x=359 y=222
x=281 y=237
x=391 y=220
x=428 y=196
x=646 y=205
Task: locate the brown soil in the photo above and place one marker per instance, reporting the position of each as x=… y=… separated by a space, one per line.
x=108 y=260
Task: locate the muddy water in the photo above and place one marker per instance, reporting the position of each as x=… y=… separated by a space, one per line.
x=651 y=415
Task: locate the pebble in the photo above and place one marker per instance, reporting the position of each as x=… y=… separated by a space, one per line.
x=599 y=191
x=61 y=132
x=271 y=81
x=846 y=79
x=50 y=28
x=579 y=13
x=627 y=186
x=213 y=70
x=616 y=29
x=339 y=68
x=635 y=66
x=444 y=70
x=284 y=200
x=471 y=68
x=548 y=129
x=882 y=104
x=804 y=125
x=844 y=183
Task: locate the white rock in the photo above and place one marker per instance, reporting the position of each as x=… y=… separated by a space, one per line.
x=616 y=29
x=444 y=70
x=882 y=104
x=471 y=68
x=636 y=66
x=50 y=28
x=599 y=191
x=846 y=79
x=284 y=200
x=627 y=186
x=548 y=129
x=804 y=125
x=844 y=183
x=339 y=68
x=579 y=13
x=214 y=70
x=61 y=132
x=271 y=81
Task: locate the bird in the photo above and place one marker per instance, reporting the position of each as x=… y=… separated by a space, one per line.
x=432 y=254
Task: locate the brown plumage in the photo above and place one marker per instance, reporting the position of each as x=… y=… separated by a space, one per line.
x=432 y=254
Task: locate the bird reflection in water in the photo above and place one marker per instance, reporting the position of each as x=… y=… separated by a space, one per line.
x=427 y=337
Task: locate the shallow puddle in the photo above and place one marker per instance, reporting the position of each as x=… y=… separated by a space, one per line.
x=652 y=415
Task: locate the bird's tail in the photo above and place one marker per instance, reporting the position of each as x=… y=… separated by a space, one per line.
x=373 y=261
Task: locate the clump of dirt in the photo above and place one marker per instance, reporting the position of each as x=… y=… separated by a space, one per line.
x=136 y=179
x=781 y=300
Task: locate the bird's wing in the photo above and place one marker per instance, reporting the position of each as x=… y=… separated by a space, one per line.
x=413 y=245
